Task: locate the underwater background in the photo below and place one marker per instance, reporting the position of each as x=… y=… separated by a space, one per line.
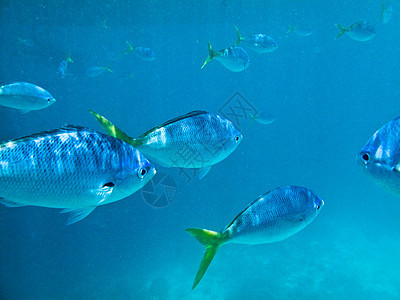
x=328 y=96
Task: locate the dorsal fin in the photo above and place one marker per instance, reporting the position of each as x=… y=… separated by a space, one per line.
x=174 y=120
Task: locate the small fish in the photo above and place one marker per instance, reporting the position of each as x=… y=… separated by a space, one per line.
x=386 y=13
x=259 y=43
x=25 y=96
x=272 y=217
x=26 y=42
x=263 y=118
x=380 y=157
x=300 y=31
x=96 y=71
x=73 y=168
x=63 y=66
x=196 y=140
x=360 y=31
x=234 y=58
x=142 y=52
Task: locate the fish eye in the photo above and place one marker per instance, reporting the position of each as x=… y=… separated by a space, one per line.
x=365 y=157
x=142 y=172
x=237 y=138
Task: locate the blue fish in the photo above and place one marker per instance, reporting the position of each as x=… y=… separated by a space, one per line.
x=25 y=96
x=234 y=58
x=196 y=140
x=97 y=71
x=142 y=52
x=73 y=168
x=272 y=217
x=63 y=66
x=360 y=31
x=259 y=43
x=380 y=157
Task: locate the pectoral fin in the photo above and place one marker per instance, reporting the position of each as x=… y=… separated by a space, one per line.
x=203 y=172
x=24 y=111
x=103 y=193
x=77 y=214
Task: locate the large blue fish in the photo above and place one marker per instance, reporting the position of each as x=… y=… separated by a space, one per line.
x=272 y=217
x=380 y=156
x=196 y=140
x=259 y=43
x=73 y=168
x=234 y=58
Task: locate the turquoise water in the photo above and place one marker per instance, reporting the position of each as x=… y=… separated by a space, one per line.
x=329 y=96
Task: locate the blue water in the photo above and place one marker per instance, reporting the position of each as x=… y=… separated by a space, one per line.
x=328 y=96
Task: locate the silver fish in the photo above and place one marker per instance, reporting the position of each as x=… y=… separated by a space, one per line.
x=300 y=31
x=63 y=66
x=74 y=168
x=380 y=157
x=25 y=96
x=142 y=52
x=235 y=58
x=387 y=11
x=360 y=31
x=97 y=71
x=259 y=43
x=264 y=118
x=196 y=140
x=272 y=217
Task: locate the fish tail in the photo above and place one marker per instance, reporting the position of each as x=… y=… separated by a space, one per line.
x=342 y=30
x=211 y=55
x=69 y=59
x=212 y=241
x=291 y=28
x=239 y=37
x=130 y=48
x=113 y=130
x=108 y=69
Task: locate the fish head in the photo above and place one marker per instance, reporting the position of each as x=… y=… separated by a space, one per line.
x=232 y=138
x=135 y=174
x=45 y=99
x=380 y=156
x=311 y=204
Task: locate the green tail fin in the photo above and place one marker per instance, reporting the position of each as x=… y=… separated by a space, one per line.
x=130 y=48
x=342 y=30
x=212 y=241
x=239 y=37
x=211 y=55
x=113 y=130
x=108 y=69
x=69 y=59
x=291 y=29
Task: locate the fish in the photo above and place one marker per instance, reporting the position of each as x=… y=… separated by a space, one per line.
x=233 y=58
x=196 y=140
x=264 y=118
x=380 y=157
x=142 y=52
x=96 y=71
x=25 y=96
x=361 y=31
x=300 y=31
x=73 y=168
x=386 y=13
x=63 y=66
x=259 y=43
x=271 y=217
x=26 y=42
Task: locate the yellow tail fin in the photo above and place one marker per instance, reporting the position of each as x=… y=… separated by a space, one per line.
x=130 y=48
x=342 y=30
x=113 y=130
x=239 y=37
x=69 y=59
x=212 y=241
x=211 y=55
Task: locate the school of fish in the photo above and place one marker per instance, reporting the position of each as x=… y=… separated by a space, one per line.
x=78 y=169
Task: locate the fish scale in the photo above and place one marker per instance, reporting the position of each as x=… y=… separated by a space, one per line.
x=72 y=167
